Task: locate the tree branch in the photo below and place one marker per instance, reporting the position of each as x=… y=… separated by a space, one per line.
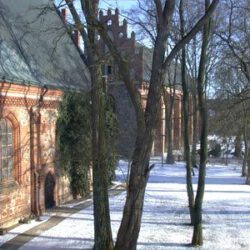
x=124 y=71
x=168 y=10
x=186 y=39
x=78 y=23
x=158 y=6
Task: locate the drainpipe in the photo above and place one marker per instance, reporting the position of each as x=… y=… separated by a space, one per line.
x=35 y=124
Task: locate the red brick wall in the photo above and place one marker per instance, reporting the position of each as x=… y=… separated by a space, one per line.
x=127 y=45
x=17 y=196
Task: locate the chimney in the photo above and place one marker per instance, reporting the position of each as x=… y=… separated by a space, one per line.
x=117 y=16
x=101 y=15
x=64 y=14
x=125 y=27
x=133 y=35
x=109 y=13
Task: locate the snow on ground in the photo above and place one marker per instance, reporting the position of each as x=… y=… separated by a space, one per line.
x=21 y=229
x=165 y=218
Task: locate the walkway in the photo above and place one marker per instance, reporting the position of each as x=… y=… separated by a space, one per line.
x=58 y=215
x=165 y=222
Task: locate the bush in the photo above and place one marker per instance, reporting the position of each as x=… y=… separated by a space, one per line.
x=215 y=151
x=74 y=140
x=74 y=135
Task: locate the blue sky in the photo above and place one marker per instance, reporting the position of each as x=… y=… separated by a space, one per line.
x=105 y=4
x=121 y=4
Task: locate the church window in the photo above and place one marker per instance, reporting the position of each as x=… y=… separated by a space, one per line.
x=6 y=150
x=109 y=22
x=109 y=70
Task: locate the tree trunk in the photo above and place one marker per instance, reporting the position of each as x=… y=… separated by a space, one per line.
x=245 y=158
x=237 y=151
x=169 y=107
x=197 y=233
x=170 y=156
x=132 y=213
x=103 y=232
x=195 y=126
x=130 y=225
x=102 y=226
x=248 y=169
x=146 y=122
x=186 y=120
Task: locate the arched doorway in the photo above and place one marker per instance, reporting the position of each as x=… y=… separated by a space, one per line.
x=49 y=191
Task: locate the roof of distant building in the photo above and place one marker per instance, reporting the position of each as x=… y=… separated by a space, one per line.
x=173 y=74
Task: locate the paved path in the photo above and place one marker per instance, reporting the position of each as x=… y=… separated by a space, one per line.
x=59 y=214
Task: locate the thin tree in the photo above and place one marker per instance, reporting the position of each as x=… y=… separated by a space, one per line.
x=102 y=226
x=245 y=111
x=169 y=96
x=201 y=85
x=186 y=118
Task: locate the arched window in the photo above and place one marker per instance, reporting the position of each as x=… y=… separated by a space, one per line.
x=6 y=150
x=109 y=22
x=109 y=70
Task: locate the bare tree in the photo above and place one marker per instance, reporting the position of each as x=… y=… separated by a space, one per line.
x=235 y=36
x=146 y=121
x=201 y=86
x=102 y=226
x=186 y=98
x=169 y=96
x=231 y=106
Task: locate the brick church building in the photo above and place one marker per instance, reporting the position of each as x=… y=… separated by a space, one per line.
x=140 y=59
x=38 y=61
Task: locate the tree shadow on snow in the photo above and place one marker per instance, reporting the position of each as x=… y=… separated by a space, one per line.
x=163 y=244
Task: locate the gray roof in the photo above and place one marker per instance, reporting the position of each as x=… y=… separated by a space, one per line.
x=35 y=47
x=147 y=65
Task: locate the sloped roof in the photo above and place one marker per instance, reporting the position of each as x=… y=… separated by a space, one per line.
x=35 y=47
x=147 y=66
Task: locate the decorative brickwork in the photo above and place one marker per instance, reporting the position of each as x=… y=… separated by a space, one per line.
x=130 y=49
x=34 y=125
x=26 y=102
